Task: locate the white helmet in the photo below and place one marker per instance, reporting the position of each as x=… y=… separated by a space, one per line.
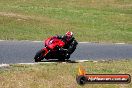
x=69 y=34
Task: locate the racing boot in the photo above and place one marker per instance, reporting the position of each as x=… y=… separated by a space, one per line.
x=67 y=56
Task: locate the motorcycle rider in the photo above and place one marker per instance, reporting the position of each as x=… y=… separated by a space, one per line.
x=70 y=43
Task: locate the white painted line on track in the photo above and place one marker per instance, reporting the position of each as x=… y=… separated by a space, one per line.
x=119 y=43
x=81 y=60
x=84 y=42
x=2 y=40
x=4 y=65
x=46 y=62
x=35 y=63
x=95 y=61
x=79 y=42
x=37 y=41
x=42 y=41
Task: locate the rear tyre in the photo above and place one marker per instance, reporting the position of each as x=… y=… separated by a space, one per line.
x=39 y=56
x=64 y=57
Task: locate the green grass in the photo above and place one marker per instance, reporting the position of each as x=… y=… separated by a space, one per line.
x=90 y=20
x=61 y=75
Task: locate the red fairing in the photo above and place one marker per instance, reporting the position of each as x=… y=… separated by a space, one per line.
x=46 y=51
x=52 y=42
x=55 y=42
x=46 y=42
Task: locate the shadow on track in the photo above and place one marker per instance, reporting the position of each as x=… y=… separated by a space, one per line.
x=58 y=61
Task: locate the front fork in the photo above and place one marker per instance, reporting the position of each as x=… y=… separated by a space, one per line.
x=46 y=51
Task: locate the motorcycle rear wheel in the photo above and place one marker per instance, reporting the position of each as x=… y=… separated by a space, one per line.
x=39 y=56
x=64 y=58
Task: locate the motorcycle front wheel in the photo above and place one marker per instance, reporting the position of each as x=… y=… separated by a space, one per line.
x=39 y=56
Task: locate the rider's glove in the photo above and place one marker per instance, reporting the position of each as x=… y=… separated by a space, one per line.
x=63 y=50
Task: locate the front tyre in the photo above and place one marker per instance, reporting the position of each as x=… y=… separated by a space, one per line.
x=39 y=56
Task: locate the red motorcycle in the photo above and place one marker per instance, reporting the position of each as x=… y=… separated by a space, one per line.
x=52 y=50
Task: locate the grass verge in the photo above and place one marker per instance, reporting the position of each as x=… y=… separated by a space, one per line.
x=90 y=20
x=60 y=75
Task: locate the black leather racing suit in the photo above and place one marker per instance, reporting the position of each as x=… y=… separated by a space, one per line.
x=70 y=43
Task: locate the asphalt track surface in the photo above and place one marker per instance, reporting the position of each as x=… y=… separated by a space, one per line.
x=24 y=51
